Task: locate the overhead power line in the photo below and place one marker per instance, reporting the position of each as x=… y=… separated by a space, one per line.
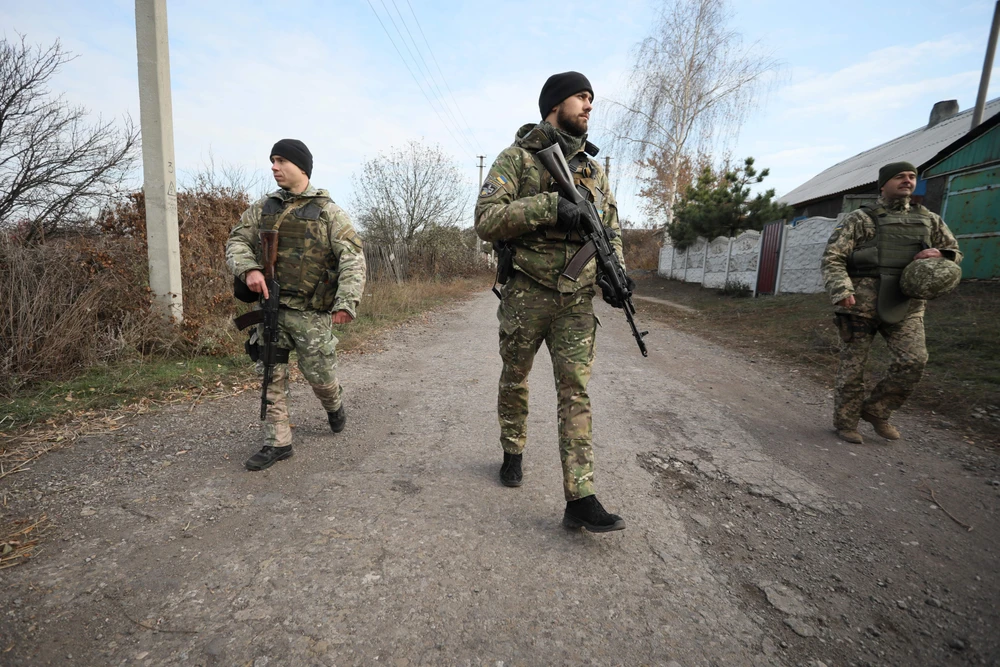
x=465 y=122
x=410 y=70
x=462 y=136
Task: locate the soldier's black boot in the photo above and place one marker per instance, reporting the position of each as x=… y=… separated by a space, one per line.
x=588 y=513
x=338 y=420
x=510 y=471
x=267 y=457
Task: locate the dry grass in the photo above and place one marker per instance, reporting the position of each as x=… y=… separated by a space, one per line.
x=641 y=248
x=22 y=540
x=962 y=379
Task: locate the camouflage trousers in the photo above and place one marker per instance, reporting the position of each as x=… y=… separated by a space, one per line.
x=310 y=334
x=529 y=314
x=905 y=341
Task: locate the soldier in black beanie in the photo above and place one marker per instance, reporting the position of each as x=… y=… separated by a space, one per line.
x=560 y=86
x=537 y=229
x=295 y=152
x=321 y=274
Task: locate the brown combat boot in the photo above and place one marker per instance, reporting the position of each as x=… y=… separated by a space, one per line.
x=881 y=426
x=850 y=435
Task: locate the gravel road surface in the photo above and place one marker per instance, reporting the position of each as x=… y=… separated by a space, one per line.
x=754 y=536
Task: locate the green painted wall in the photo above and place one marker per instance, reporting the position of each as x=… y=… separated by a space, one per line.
x=972 y=212
x=982 y=150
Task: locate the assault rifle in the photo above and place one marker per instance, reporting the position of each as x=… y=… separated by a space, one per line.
x=266 y=349
x=597 y=240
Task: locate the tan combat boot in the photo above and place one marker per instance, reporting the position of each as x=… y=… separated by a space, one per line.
x=850 y=435
x=881 y=426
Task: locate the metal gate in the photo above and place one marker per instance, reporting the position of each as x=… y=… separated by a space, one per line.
x=972 y=212
x=767 y=262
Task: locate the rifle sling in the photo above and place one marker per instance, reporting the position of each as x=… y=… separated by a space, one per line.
x=580 y=260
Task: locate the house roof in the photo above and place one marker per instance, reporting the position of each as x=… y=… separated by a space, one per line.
x=917 y=147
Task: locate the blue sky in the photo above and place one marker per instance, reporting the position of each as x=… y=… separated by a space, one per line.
x=855 y=74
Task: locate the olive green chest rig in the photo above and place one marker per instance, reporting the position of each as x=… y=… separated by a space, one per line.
x=899 y=235
x=306 y=265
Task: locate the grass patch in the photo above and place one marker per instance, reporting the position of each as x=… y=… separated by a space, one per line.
x=962 y=379
x=114 y=386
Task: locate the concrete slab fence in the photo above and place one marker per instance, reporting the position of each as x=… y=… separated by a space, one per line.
x=725 y=260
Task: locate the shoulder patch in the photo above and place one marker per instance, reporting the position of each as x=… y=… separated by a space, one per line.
x=493 y=184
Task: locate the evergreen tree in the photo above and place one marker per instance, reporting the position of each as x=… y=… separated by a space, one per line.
x=720 y=204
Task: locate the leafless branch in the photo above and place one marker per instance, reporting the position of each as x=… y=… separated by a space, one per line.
x=55 y=167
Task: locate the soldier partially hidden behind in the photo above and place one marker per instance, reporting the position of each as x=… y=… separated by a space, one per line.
x=536 y=233
x=879 y=266
x=321 y=273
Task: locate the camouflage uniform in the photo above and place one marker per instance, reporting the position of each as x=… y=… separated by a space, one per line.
x=905 y=339
x=518 y=204
x=321 y=269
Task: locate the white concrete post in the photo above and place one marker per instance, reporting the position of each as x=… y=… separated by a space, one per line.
x=729 y=260
x=158 y=166
x=704 y=263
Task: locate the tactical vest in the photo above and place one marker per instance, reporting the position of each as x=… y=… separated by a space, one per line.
x=306 y=267
x=899 y=235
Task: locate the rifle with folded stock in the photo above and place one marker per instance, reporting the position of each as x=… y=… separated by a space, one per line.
x=597 y=240
x=266 y=349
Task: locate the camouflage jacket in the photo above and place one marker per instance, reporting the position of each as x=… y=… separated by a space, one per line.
x=518 y=203
x=336 y=239
x=858 y=227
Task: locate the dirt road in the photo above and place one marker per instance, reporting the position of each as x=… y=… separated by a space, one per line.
x=754 y=536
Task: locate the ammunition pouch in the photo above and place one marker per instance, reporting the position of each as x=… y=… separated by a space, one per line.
x=505 y=264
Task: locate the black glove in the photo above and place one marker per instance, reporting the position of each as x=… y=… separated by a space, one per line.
x=608 y=292
x=568 y=215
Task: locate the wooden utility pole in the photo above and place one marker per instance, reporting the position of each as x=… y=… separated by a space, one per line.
x=158 y=166
x=607 y=167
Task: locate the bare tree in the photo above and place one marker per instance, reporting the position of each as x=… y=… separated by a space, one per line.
x=54 y=167
x=691 y=87
x=407 y=190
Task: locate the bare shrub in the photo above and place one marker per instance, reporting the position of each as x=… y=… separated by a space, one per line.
x=82 y=298
x=74 y=302
x=641 y=248
x=445 y=252
x=205 y=214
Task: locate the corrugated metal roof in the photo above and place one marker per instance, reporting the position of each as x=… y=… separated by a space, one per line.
x=916 y=147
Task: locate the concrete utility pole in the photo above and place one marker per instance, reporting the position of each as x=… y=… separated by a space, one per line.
x=984 y=80
x=607 y=167
x=158 y=166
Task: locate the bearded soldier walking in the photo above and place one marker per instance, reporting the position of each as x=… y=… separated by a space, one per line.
x=321 y=273
x=536 y=231
x=877 y=259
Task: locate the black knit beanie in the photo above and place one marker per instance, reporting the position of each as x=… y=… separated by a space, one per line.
x=295 y=152
x=560 y=86
x=891 y=169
